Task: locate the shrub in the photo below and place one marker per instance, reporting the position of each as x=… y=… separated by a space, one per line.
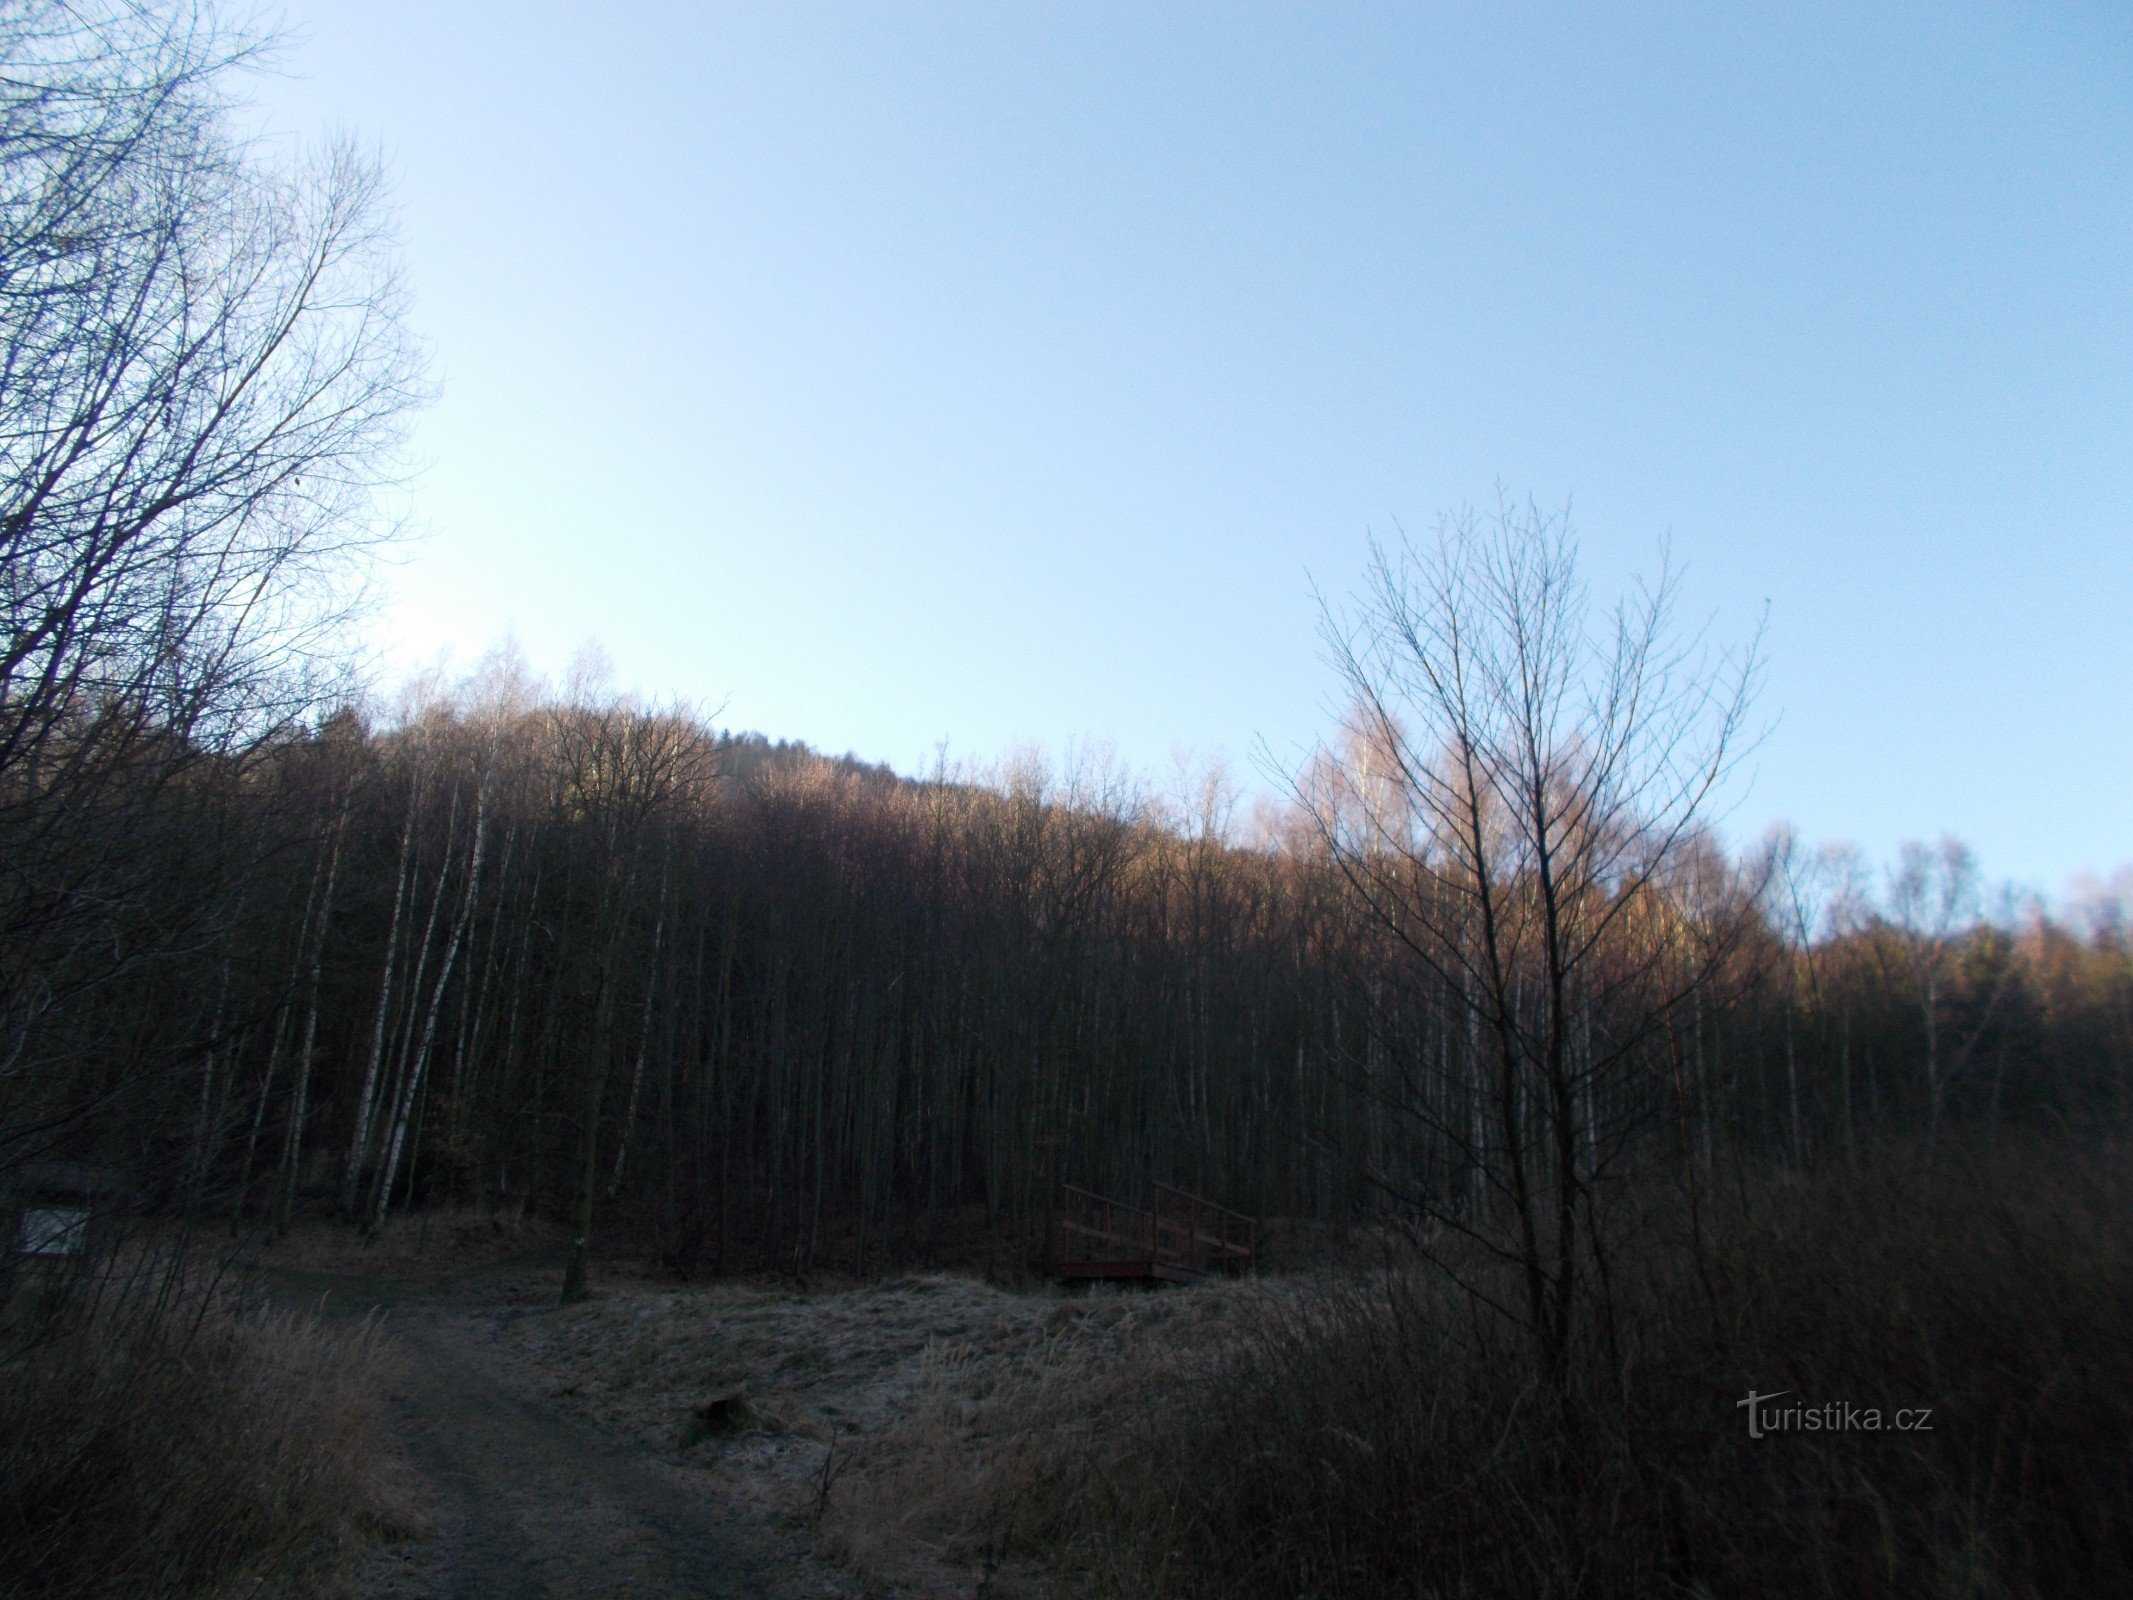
x=1385 y=1435
x=174 y=1442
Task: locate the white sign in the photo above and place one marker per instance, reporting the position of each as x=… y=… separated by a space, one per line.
x=54 y=1231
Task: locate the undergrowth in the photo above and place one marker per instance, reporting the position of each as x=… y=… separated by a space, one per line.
x=171 y=1440
x=1385 y=1436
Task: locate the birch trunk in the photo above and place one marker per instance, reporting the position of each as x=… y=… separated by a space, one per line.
x=411 y=1089
x=359 y=1141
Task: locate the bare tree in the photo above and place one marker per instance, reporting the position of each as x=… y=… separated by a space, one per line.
x=1936 y=911
x=1517 y=808
x=619 y=772
x=203 y=367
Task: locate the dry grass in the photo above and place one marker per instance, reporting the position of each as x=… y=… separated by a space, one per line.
x=1377 y=1436
x=960 y=1493
x=867 y=1411
x=810 y=1378
x=1373 y=1434
x=177 y=1442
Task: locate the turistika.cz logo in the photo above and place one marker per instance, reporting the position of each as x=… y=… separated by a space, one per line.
x=1766 y=1417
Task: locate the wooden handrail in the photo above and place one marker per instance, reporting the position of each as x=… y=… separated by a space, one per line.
x=1178 y=1232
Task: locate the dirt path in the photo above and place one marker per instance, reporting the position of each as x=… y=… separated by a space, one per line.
x=523 y=1500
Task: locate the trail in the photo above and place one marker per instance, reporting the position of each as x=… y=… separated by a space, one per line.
x=524 y=1501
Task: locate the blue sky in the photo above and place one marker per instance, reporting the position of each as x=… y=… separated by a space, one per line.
x=894 y=375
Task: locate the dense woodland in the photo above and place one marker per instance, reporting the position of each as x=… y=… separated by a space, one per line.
x=765 y=1008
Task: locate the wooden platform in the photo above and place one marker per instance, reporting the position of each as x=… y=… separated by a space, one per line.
x=1177 y=1238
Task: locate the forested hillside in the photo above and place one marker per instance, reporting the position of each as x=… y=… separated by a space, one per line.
x=764 y=1008
x=266 y=948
